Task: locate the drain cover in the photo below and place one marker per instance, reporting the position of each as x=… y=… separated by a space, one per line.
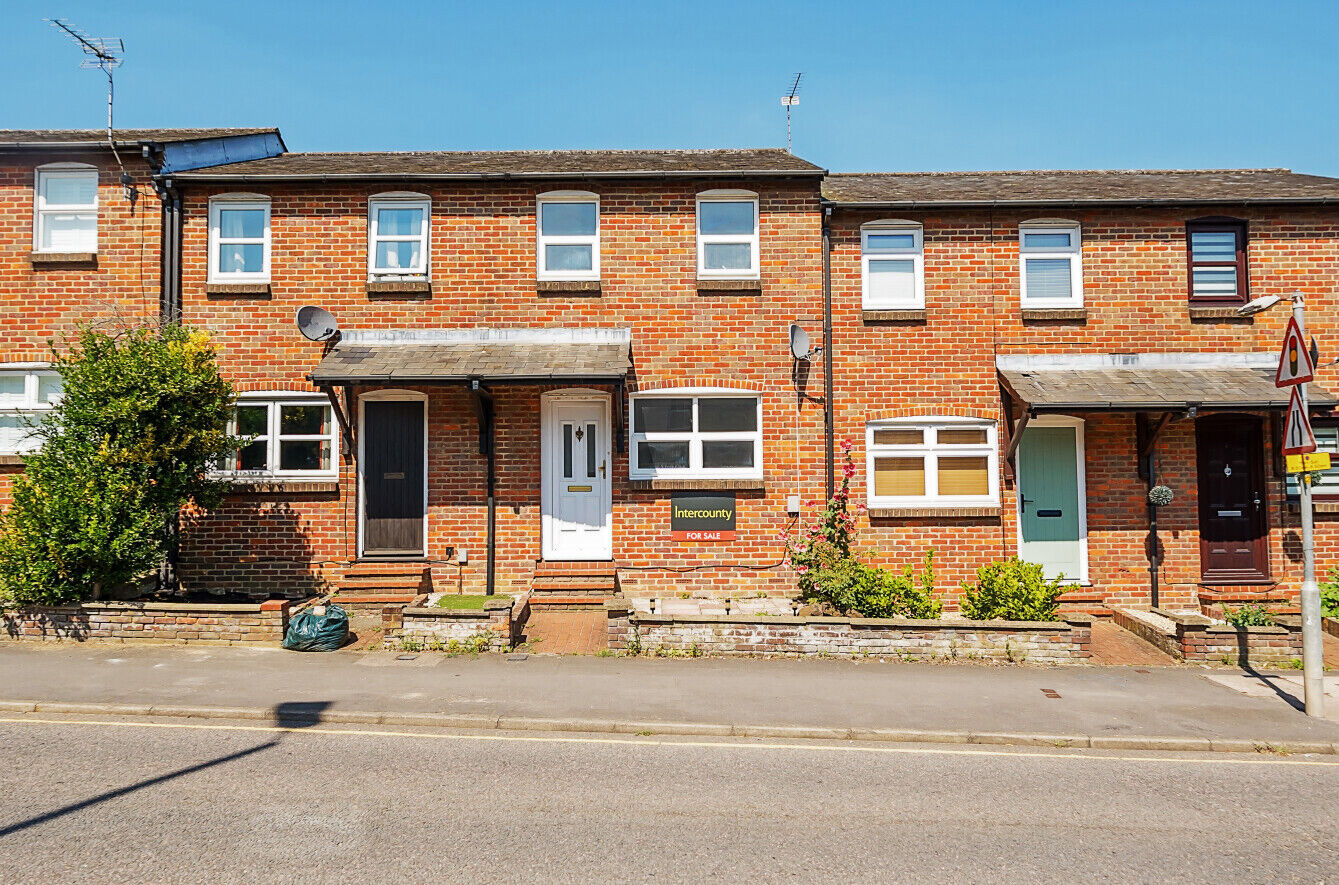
x=1051 y=693
x=517 y=657
x=406 y=657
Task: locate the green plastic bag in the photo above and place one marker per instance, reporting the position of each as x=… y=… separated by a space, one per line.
x=309 y=631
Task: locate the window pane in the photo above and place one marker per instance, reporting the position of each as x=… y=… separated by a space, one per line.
x=568 y=258
x=248 y=258
x=567 y=451
x=70 y=190
x=720 y=217
x=305 y=455
x=303 y=420
x=965 y=437
x=892 y=281
x=727 y=414
x=69 y=233
x=964 y=476
x=1047 y=241
x=911 y=436
x=662 y=454
x=12 y=387
x=402 y=222
x=253 y=420
x=727 y=256
x=1048 y=278
x=590 y=450
x=402 y=255
x=1213 y=245
x=254 y=456
x=1215 y=282
x=567 y=219
x=875 y=242
x=15 y=435
x=720 y=453
x=49 y=388
x=656 y=415
x=246 y=223
x=899 y=476
x=1327 y=440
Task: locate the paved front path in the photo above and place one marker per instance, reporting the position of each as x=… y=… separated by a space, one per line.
x=1115 y=646
x=559 y=632
x=1106 y=701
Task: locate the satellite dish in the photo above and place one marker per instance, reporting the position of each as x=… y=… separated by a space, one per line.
x=799 y=342
x=316 y=323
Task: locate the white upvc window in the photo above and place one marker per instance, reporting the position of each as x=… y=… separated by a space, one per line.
x=919 y=462
x=568 y=229
x=66 y=210
x=727 y=234
x=26 y=395
x=696 y=434
x=397 y=236
x=892 y=264
x=284 y=437
x=1050 y=267
x=239 y=239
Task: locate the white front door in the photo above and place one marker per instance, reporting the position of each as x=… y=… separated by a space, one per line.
x=575 y=453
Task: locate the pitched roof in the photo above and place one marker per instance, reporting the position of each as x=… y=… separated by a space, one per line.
x=1077 y=187
x=514 y=164
x=93 y=137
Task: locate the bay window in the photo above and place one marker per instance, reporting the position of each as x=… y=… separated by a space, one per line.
x=702 y=435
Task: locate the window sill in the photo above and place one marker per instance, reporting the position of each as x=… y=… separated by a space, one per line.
x=1204 y=312
x=898 y=315
x=659 y=485
x=413 y=289
x=932 y=511
x=12 y=461
x=284 y=487
x=744 y=287
x=1053 y=314
x=581 y=288
x=237 y=290
x=63 y=259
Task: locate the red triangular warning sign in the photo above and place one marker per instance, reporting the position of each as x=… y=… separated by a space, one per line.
x=1295 y=366
x=1297 y=436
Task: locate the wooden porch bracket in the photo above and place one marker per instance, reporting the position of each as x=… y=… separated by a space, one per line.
x=1146 y=438
x=1014 y=428
x=342 y=416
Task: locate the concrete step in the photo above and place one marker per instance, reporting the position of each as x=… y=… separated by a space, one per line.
x=555 y=568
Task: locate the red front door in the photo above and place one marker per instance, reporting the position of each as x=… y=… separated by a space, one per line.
x=1233 y=512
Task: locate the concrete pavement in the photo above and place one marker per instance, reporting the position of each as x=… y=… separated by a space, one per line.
x=182 y=802
x=1084 y=706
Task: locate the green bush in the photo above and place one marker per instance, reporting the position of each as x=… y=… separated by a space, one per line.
x=1249 y=616
x=879 y=593
x=1012 y=590
x=1329 y=595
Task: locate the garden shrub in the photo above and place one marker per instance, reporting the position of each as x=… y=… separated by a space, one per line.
x=1329 y=595
x=1249 y=616
x=1012 y=590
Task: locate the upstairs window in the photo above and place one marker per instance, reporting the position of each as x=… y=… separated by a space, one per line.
x=289 y=437
x=892 y=264
x=727 y=235
x=25 y=397
x=67 y=209
x=710 y=435
x=1325 y=483
x=932 y=462
x=239 y=239
x=569 y=236
x=1217 y=259
x=398 y=236
x=1050 y=265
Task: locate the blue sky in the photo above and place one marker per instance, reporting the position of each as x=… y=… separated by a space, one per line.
x=888 y=86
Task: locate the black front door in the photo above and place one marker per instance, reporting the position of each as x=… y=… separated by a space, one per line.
x=1234 y=538
x=393 y=489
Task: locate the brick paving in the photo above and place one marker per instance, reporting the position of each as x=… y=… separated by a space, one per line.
x=1115 y=646
x=1331 y=648
x=566 y=632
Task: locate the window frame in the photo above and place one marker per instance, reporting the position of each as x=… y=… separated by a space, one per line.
x=931 y=453
x=30 y=403
x=695 y=437
x=41 y=210
x=1290 y=480
x=1074 y=254
x=753 y=272
x=238 y=201
x=916 y=253
x=541 y=239
x=1218 y=225
x=273 y=438
x=399 y=200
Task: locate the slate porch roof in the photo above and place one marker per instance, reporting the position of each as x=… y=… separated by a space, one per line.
x=456 y=356
x=1242 y=381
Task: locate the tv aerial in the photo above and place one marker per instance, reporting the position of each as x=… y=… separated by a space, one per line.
x=316 y=323
x=790 y=100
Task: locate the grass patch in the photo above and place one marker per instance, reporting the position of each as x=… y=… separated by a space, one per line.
x=458 y=601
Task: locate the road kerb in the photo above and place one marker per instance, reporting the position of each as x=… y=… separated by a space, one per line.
x=476 y=722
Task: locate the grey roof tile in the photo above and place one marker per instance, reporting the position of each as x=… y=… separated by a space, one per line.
x=460 y=361
x=1136 y=389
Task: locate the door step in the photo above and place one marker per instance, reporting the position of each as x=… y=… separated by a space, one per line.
x=567 y=584
x=382 y=583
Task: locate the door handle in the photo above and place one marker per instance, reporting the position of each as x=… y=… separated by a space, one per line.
x=601 y=470
x=1027 y=501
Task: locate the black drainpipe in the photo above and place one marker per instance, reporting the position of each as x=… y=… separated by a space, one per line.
x=828 y=448
x=483 y=404
x=1152 y=530
x=170 y=248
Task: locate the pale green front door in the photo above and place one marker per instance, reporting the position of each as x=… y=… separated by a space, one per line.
x=1048 y=483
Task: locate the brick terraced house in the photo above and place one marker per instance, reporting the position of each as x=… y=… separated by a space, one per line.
x=569 y=371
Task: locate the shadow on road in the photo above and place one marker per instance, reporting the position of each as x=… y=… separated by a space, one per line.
x=290 y=714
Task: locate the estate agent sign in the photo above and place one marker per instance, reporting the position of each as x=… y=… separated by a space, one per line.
x=702 y=517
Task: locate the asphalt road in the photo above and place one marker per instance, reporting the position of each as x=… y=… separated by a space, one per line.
x=131 y=800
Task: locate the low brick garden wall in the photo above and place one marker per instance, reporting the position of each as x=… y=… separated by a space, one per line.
x=436 y=628
x=1330 y=625
x=1196 y=639
x=1048 y=642
x=261 y=623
